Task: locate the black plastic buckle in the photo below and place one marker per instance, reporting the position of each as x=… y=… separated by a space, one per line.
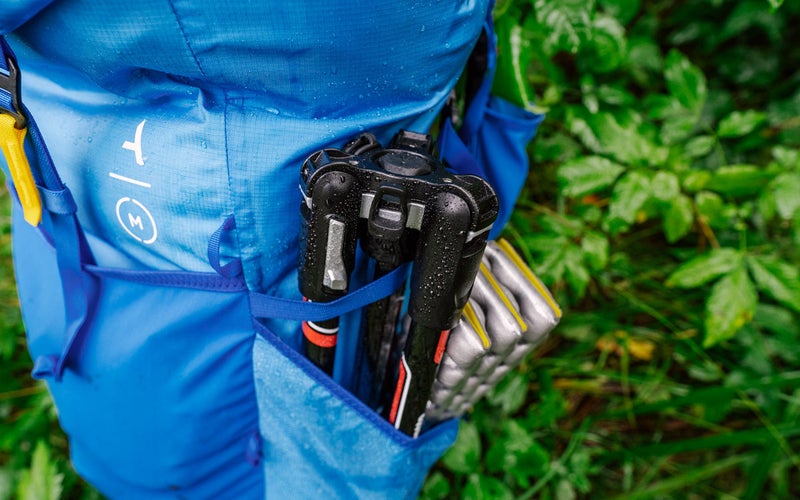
x=10 y=82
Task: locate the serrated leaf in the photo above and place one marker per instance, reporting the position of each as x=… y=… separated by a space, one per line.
x=608 y=44
x=685 y=81
x=666 y=186
x=678 y=219
x=595 y=250
x=575 y=272
x=587 y=174
x=699 y=146
x=42 y=481
x=740 y=123
x=704 y=268
x=622 y=139
x=786 y=194
x=777 y=279
x=568 y=22
x=629 y=196
x=738 y=180
x=730 y=306
x=465 y=454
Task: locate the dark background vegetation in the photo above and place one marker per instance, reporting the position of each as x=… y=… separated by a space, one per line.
x=662 y=210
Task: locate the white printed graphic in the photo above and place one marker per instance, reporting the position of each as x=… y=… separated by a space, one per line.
x=129 y=180
x=136 y=220
x=136 y=145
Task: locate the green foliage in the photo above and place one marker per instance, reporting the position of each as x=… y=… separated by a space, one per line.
x=663 y=210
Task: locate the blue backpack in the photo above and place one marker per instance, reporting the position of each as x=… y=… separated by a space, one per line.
x=156 y=234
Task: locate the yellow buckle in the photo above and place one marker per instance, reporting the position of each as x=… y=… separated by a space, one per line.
x=12 y=142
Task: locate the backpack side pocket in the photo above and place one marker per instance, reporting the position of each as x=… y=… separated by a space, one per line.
x=320 y=440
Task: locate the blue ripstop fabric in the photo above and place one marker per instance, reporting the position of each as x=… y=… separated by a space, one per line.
x=156 y=402
x=365 y=458
x=165 y=118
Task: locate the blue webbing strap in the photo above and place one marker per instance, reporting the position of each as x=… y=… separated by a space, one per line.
x=269 y=306
x=72 y=251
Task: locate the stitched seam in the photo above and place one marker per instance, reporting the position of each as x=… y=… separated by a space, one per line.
x=186 y=38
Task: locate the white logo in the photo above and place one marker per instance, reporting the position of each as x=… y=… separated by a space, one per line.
x=136 y=145
x=137 y=220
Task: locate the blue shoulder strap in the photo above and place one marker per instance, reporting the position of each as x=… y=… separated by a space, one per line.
x=71 y=248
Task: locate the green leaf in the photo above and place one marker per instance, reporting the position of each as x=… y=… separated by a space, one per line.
x=514 y=57
x=678 y=219
x=465 y=454
x=677 y=128
x=568 y=22
x=696 y=180
x=711 y=208
x=730 y=306
x=436 y=487
x=587 y=174
x=776 y=278
x=595 y=250
x=788 y=157
x=786 y=193
x=42 y=481
x=628 y=197
x=608 y=44
x=510 y=392
x=514 y=452
x=486 y=488
x=565 y=490
x=740 y=123
x=704 y=268
x=575 y=272
x=666 y=186
x=739 y=180
x=685 y=81
x=620 y=136
x=699 y=146
x=623 y=10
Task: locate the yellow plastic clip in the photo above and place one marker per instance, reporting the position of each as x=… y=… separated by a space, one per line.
x=12 y=142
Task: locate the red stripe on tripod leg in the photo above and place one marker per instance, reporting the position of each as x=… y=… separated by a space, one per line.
x=398 y=393
x=437 y=358
x=317 y=338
